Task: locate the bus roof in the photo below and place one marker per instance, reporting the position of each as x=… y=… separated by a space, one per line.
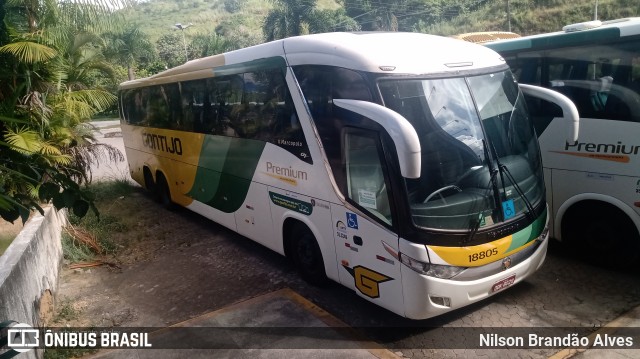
x=573 y=35
x=399 y=53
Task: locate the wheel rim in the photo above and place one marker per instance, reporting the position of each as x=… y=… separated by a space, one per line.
x=306 y=254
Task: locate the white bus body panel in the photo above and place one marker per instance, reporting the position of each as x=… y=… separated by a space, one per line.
x=593 y=165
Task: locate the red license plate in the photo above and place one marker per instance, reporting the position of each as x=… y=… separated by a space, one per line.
x=502 y=284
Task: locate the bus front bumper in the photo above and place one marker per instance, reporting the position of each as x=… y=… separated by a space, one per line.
x=444 y=295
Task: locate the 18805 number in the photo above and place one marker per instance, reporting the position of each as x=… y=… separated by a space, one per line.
x=482 y=255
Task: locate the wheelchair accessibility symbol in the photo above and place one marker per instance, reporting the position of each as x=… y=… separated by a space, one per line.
x=508 y=209
x=352 y=220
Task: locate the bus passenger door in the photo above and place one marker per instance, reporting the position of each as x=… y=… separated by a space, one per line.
x=364 y=229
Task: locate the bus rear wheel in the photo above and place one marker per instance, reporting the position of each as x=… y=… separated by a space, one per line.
x=602 y=234
x=306 y=255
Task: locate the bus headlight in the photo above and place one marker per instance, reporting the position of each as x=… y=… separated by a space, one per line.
x=432 y=270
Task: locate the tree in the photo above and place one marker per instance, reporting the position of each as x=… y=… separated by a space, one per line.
x=129 y=46
x=210 y=44
x=288 y=18
x=170 y=49
x=45 y=98
x=332 y=20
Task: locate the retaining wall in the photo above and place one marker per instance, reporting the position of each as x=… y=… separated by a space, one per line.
x=29 y=270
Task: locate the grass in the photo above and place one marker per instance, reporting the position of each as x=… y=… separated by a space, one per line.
x=8 y=232
x=66 y=313
x=5 y=241
x=92 y=234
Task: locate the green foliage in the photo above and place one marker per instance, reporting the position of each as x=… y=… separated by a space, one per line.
x=211 y=44
x=107 y=194
x=74 y=251
x=528 y=16
x=47 y=69
x=171 y=49
x=233 y=6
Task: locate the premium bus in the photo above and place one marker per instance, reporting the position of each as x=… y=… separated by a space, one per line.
x=403 y=166
x=593 y=184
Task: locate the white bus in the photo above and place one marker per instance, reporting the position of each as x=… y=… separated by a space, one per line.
x=593 y=184
x=403 y=166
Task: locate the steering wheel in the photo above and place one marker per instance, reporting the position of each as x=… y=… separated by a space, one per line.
x=468 y=173
x=439 y=192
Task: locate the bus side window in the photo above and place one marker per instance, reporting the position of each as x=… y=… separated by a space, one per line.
x=132 y=106
x=349 y=84
x=176 y=122
x=365 y=175
x=158 y=107
x=182 y=102
x=235 y=105
x=216 y=105
x=222 y=97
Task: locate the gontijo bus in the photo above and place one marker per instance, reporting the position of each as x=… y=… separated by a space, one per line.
x=593 y=184
x=403 y=166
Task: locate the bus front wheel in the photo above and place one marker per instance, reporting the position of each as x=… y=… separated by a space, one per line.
x=163 y=193
x=602 y=234
x=306 y=255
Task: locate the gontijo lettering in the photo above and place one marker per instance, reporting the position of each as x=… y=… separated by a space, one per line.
x=162 y=143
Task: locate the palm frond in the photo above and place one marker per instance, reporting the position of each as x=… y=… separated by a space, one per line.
x=29 y=52
x=48 y=149
x=24 y=141
x=100 y=100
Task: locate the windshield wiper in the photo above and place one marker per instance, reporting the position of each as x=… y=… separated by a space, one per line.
x=502 y=168
x=494 y=187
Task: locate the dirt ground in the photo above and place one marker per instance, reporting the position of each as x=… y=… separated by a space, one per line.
x=171 y=266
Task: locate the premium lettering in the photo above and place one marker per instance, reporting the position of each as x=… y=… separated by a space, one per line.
x=286 y=171
x=162 y=143
x=617 y=148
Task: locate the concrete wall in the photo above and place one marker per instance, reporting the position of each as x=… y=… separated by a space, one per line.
x=29 y=268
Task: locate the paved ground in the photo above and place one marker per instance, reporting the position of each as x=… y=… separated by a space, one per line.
x=276 y=325
x=109 y=132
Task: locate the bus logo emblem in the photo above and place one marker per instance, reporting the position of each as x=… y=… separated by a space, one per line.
x=506 y=263
x=367 y=280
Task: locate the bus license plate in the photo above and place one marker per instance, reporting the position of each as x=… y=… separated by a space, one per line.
x=500 y=285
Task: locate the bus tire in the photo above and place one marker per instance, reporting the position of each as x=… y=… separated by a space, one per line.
x=306 y=255
x=163 y=193
x=149 y=184
x=601 y=234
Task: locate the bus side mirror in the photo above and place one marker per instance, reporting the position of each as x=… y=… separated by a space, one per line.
x=569 y=110
x=401 y=131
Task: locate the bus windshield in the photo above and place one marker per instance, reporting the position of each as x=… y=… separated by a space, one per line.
x=480 y=158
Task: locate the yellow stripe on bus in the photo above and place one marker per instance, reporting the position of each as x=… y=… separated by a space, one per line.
x=475 y=256
x=177 y=154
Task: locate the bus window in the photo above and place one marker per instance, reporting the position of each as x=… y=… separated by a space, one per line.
x=365 y=176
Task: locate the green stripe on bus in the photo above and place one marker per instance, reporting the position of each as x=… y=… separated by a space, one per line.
x=529 y=233
x=561 y=39
x=213 y=155
x=232 y=180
